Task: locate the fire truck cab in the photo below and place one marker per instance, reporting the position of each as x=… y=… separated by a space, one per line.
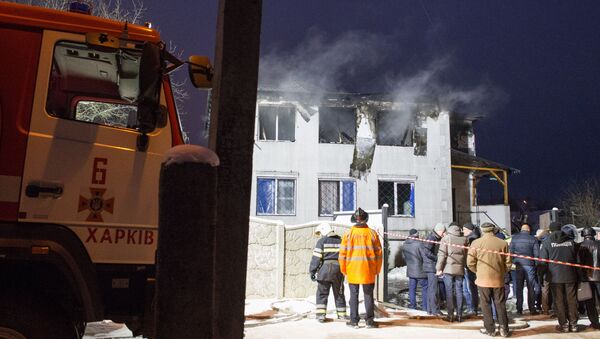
x=86 y=114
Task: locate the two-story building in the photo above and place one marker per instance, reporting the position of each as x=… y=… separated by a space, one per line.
x=319 y=153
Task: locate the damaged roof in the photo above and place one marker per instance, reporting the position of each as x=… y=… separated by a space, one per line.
x=343 y=99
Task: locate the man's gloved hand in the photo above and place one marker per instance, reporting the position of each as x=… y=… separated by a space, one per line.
x=313 y=277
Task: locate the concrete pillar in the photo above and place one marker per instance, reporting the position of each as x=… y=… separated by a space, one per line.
x=185 y=255
x=232 y=137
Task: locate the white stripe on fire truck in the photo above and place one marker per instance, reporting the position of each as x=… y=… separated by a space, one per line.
x=10 y=188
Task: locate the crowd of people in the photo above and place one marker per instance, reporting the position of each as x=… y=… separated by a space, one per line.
x=468 y=269
x=471 y=263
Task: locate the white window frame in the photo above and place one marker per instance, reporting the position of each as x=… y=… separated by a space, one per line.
x=292 y=108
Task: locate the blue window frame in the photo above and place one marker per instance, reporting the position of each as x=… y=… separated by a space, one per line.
x=275 y=196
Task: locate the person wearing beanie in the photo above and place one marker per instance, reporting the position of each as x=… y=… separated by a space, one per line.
x=523 y=243
x=360 y=260
x=471 y=232
x=589 y=255
x=414 y=269
x=451 y=264
x=563 y=279
x=429 y=252
x=490 y=269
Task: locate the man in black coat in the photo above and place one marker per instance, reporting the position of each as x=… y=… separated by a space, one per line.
x=471 y=232
x=414 y=269
x=563 y=279
x=524 y=243
x=429 y=252
x=589 y=255
x=545 y=300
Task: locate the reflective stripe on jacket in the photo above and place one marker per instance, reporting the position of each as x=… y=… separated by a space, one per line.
x=325 y=255
x=360 y=255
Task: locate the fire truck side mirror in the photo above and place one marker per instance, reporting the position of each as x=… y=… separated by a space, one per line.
x=201 y=71
x=150 y=79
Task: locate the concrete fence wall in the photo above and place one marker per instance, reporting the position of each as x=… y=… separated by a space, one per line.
x=279 y=256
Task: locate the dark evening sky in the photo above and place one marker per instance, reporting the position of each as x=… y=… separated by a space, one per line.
x=538 y=63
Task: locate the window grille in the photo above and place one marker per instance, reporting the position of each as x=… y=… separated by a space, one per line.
x=400 y=196
x=336 y=195
x=275 y=196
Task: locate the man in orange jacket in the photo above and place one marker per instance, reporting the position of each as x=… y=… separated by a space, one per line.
x=360 y=260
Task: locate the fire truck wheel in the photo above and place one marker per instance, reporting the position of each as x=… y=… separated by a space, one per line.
x=30 y=317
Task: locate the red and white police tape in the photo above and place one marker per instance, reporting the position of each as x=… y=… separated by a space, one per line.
x=393 y=234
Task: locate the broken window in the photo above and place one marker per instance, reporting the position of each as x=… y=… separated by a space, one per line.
x=460 y=131
x=394 y=128
x=334 y=194
x=276 y=123
x=275 y=196
x=95 y=86
x=420 y=140
x=400 y=197
x=337 y=125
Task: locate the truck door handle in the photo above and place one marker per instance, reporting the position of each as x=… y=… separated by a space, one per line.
x=37 y=190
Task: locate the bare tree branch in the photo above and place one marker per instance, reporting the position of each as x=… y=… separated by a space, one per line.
x=582 y=200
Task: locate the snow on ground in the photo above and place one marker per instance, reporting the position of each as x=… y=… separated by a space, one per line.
x=310 y=328
x=394 y=322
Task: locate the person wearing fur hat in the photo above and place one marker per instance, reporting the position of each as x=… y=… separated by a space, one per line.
x=429 y=252
x=491 y=269
x=414 y=269
x=563 y=279
x=451 y=264
x=360 y=260
x=325 y=270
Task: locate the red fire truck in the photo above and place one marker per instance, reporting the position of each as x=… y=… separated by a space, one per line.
x=86 y=113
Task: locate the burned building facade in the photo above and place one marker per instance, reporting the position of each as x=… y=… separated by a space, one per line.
x=315 y=155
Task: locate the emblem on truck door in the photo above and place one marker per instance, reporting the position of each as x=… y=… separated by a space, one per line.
x=96 y=203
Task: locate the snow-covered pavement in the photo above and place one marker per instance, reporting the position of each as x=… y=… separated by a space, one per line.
x=294 y=318
x=310 y=328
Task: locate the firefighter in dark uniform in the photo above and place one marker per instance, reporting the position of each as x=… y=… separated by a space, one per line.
x=325 y=270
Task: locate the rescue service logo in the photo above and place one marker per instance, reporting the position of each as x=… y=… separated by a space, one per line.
x=96 y=203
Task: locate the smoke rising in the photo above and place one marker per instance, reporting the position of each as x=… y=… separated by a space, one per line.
x=322 y=64
x=427 y=85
